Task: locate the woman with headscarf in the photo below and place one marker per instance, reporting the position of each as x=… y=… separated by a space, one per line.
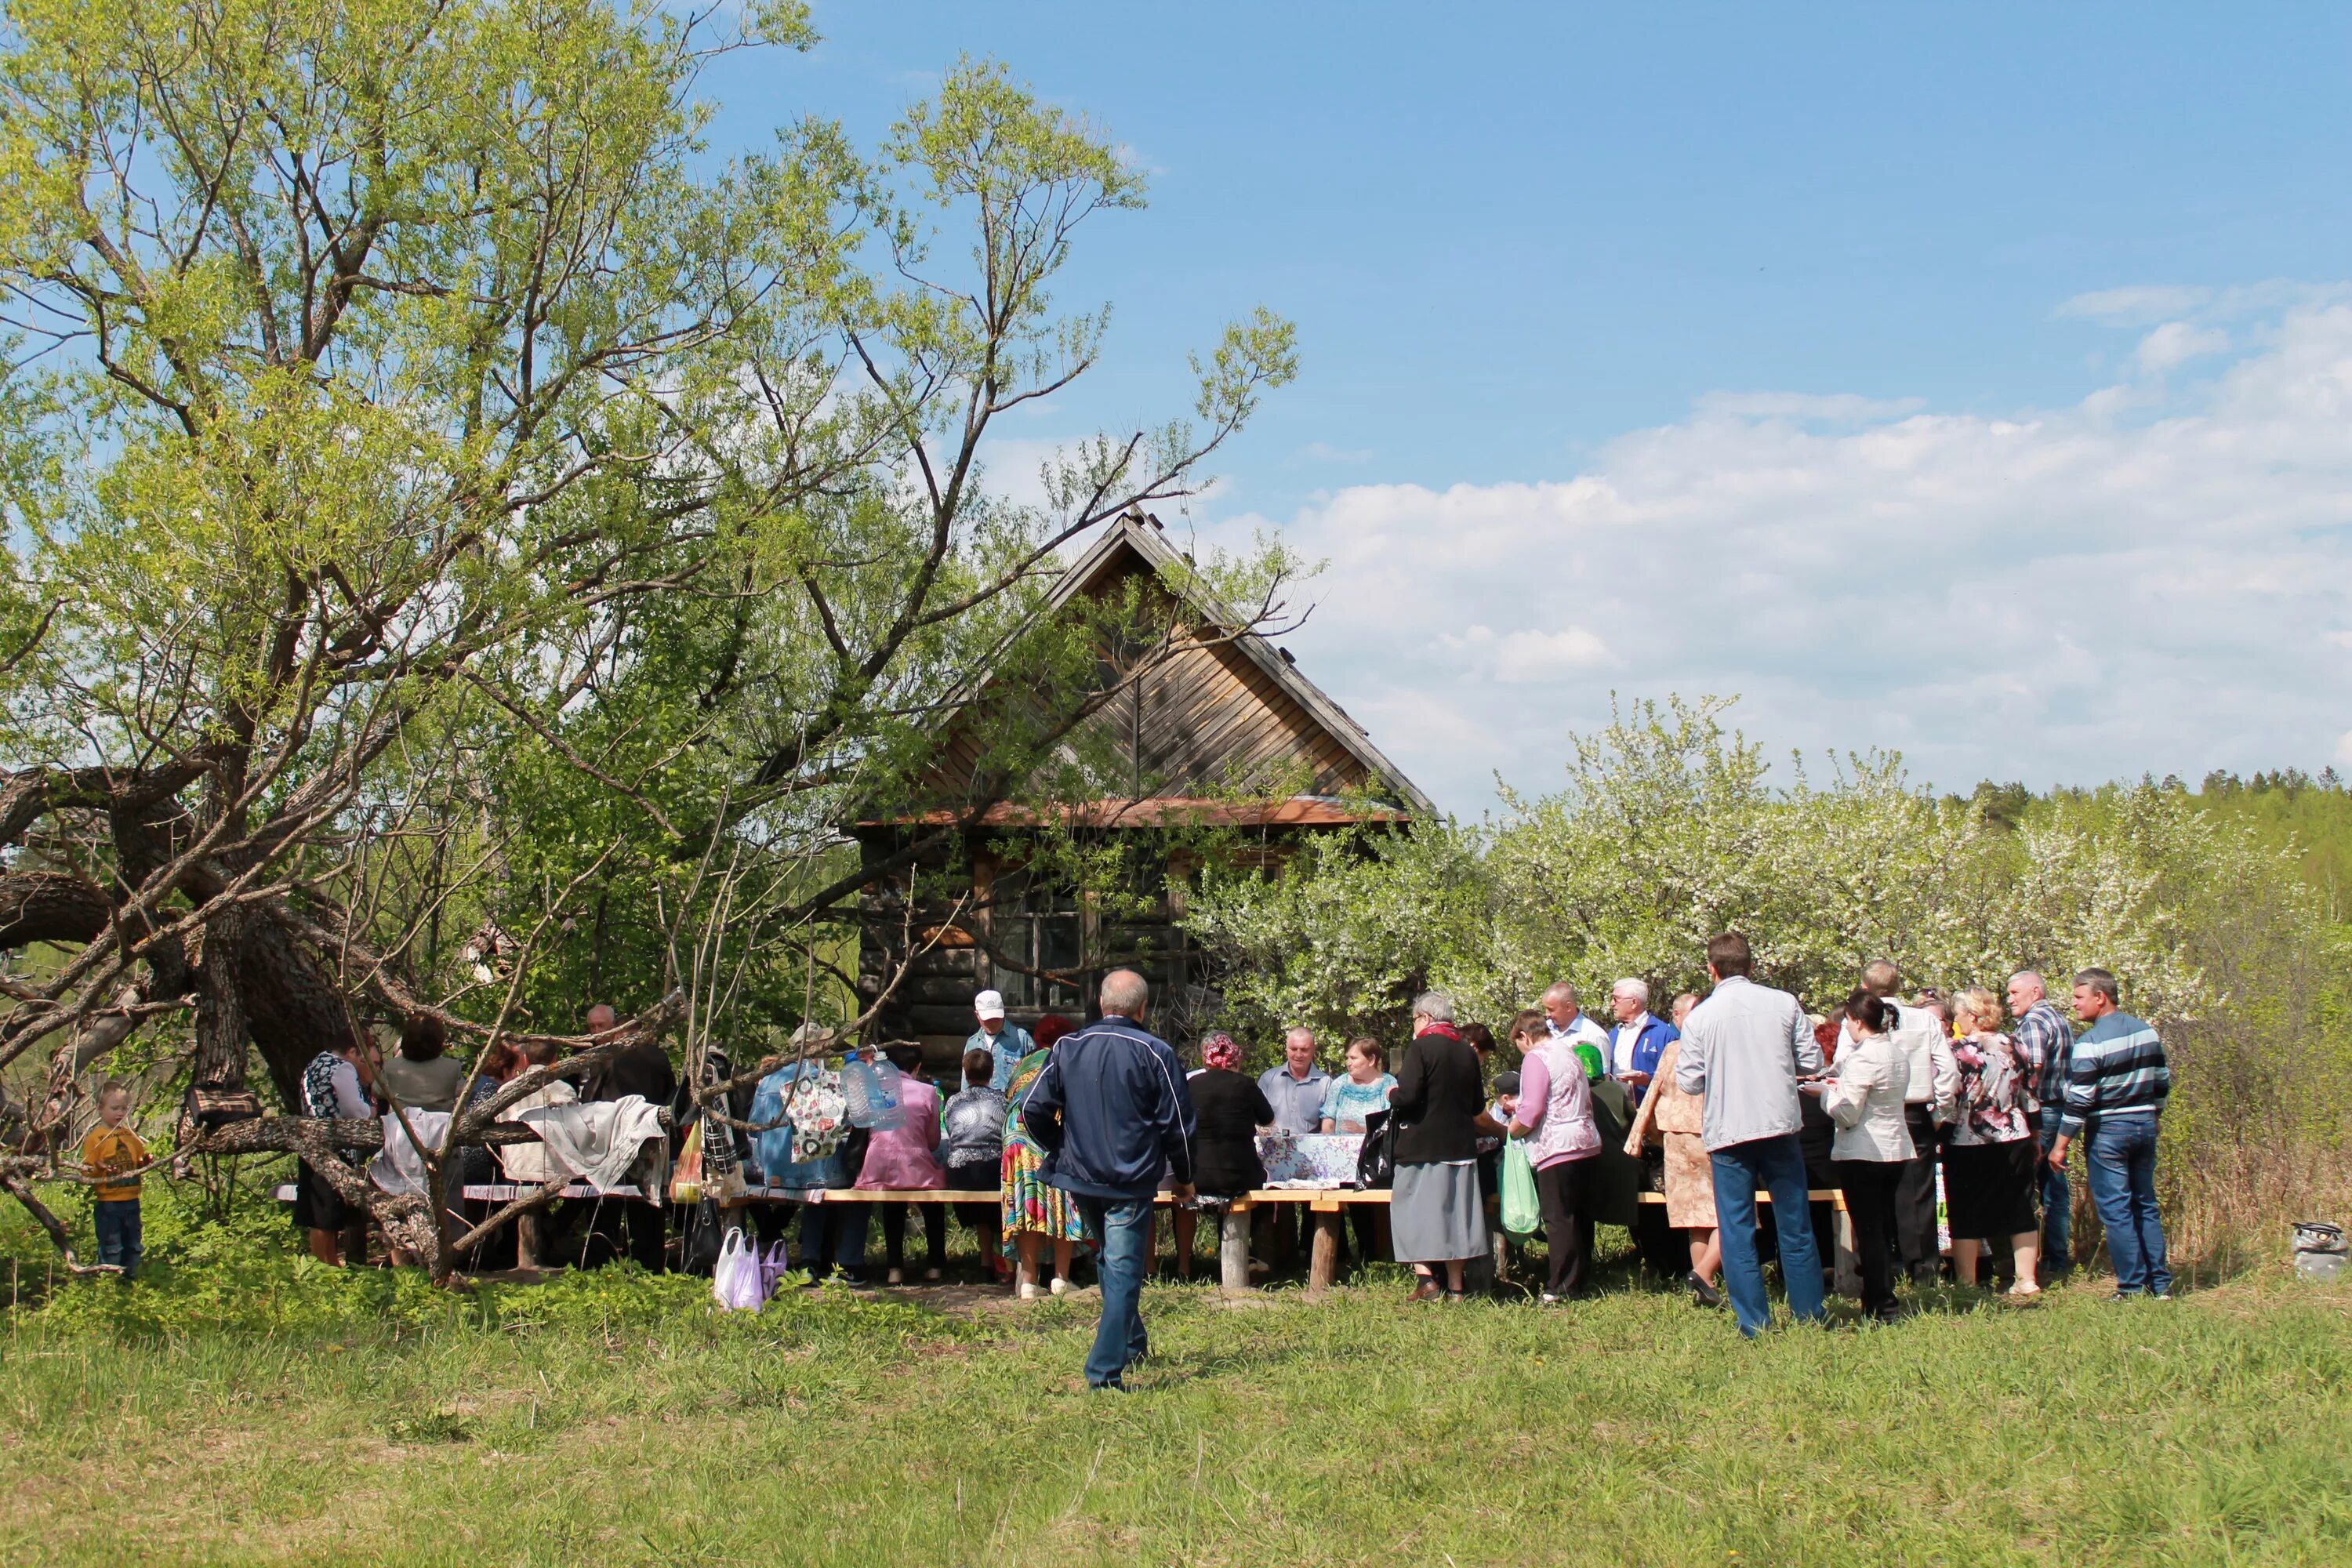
x=1035 y=1211
x=1229 y=1108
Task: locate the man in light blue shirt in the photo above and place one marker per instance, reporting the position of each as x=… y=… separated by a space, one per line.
x=1008 y=1043
x=1295 y=1089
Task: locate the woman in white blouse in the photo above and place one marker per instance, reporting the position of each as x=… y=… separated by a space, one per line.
x=1864 y=1095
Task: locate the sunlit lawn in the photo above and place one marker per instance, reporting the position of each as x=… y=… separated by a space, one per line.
x=1633 y=1430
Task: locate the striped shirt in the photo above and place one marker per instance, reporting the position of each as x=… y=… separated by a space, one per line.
x=2043 y=1043
x=2117 y=1069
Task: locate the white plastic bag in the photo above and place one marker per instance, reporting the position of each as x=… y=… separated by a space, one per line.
x=736 y=1283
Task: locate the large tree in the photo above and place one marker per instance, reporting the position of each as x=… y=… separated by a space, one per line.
x=445 y=503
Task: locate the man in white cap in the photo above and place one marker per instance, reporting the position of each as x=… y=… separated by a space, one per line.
x=1008 y=1043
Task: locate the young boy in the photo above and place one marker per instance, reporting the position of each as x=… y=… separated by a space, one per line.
x=110 y=1149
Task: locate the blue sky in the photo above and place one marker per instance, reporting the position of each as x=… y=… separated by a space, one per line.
x=1659 y=345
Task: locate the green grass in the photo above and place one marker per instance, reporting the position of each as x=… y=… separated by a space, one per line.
x=617 y=1420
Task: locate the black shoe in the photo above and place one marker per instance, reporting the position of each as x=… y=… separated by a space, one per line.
x=1702 y=1293
x=2124 y=1296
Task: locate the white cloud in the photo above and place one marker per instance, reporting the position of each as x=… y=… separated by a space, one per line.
x=2139 y=302
x=1531 y=658
x=2153 y=581
x=2178 y=342
x=1837 y=408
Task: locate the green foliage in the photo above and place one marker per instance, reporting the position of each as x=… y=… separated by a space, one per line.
x=516 y=543
x=1669 y=831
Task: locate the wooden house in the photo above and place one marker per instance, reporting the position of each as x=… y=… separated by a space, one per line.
x=1216 y=736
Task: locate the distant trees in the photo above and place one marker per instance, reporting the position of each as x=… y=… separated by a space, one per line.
x=1670 y=830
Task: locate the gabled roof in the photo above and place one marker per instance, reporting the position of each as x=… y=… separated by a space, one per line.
x=1231 y=700
x=1140 y=532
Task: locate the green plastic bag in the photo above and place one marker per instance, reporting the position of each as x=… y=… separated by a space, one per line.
x=1522 y=1215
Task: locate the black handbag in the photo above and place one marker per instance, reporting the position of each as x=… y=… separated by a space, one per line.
x=1376 y=1161
x=706 y=1231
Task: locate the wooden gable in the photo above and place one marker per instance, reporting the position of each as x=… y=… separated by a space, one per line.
x=1222 y=715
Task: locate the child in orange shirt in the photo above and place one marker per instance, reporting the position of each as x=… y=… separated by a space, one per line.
x=110 y=1149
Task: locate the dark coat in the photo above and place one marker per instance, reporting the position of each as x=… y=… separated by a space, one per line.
x=1228 y=1110
x=642 y=1070
x=1111 y=1111
x=1438 y=1092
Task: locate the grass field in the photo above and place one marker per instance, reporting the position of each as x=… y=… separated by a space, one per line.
x=616 y=1420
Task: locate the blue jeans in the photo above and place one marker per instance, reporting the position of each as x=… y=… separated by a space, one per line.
x=1778 y=1166
x=2121 y=1161
x=118 y=1234
x=2057 y=1204
x=1125 y=1227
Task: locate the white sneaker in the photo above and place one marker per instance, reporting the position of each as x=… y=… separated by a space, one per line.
x=1028 y=1291
x=1061 y=1286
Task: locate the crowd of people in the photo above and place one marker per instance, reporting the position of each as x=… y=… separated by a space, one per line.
x=1940 y=1113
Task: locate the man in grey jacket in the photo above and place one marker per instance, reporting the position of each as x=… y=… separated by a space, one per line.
x=1927 y=1106
x=1744 y=1048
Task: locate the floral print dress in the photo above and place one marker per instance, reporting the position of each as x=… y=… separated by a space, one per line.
x=1030 y=1203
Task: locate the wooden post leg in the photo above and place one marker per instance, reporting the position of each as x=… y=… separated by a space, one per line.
x=526 y=1243
x=1849 y=1270
x=1233 y=1249
x=1323 y=1266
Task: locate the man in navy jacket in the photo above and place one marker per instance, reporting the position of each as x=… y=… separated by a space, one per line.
x=1112 y=1112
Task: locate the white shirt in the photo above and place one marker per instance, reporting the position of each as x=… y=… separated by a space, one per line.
x=1580 y=1028
x=1934 y=1073
x=1621 y=1041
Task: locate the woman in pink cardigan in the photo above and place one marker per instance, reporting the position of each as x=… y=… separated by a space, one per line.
x=906 y=1158
x=1555 y=1119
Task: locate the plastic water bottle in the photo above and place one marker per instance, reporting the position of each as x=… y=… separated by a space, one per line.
x=887 y=1115
x=871 y=1099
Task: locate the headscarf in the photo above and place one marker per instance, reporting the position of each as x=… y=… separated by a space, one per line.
x=1589 y=1055
x=1218 y=1050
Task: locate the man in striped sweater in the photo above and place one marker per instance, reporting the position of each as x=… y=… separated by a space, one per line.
x=2117 y=1085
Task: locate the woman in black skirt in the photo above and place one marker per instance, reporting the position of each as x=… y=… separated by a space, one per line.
x=1990 y=1163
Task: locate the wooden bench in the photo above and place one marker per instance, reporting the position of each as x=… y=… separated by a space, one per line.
x=1328 y=1205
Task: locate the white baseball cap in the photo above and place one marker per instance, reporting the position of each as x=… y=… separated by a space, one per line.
x=989 y=1004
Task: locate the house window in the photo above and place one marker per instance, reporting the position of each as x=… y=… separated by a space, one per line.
x=1035 y=931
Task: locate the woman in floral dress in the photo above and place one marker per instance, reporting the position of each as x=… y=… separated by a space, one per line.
x=1034 y=1211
